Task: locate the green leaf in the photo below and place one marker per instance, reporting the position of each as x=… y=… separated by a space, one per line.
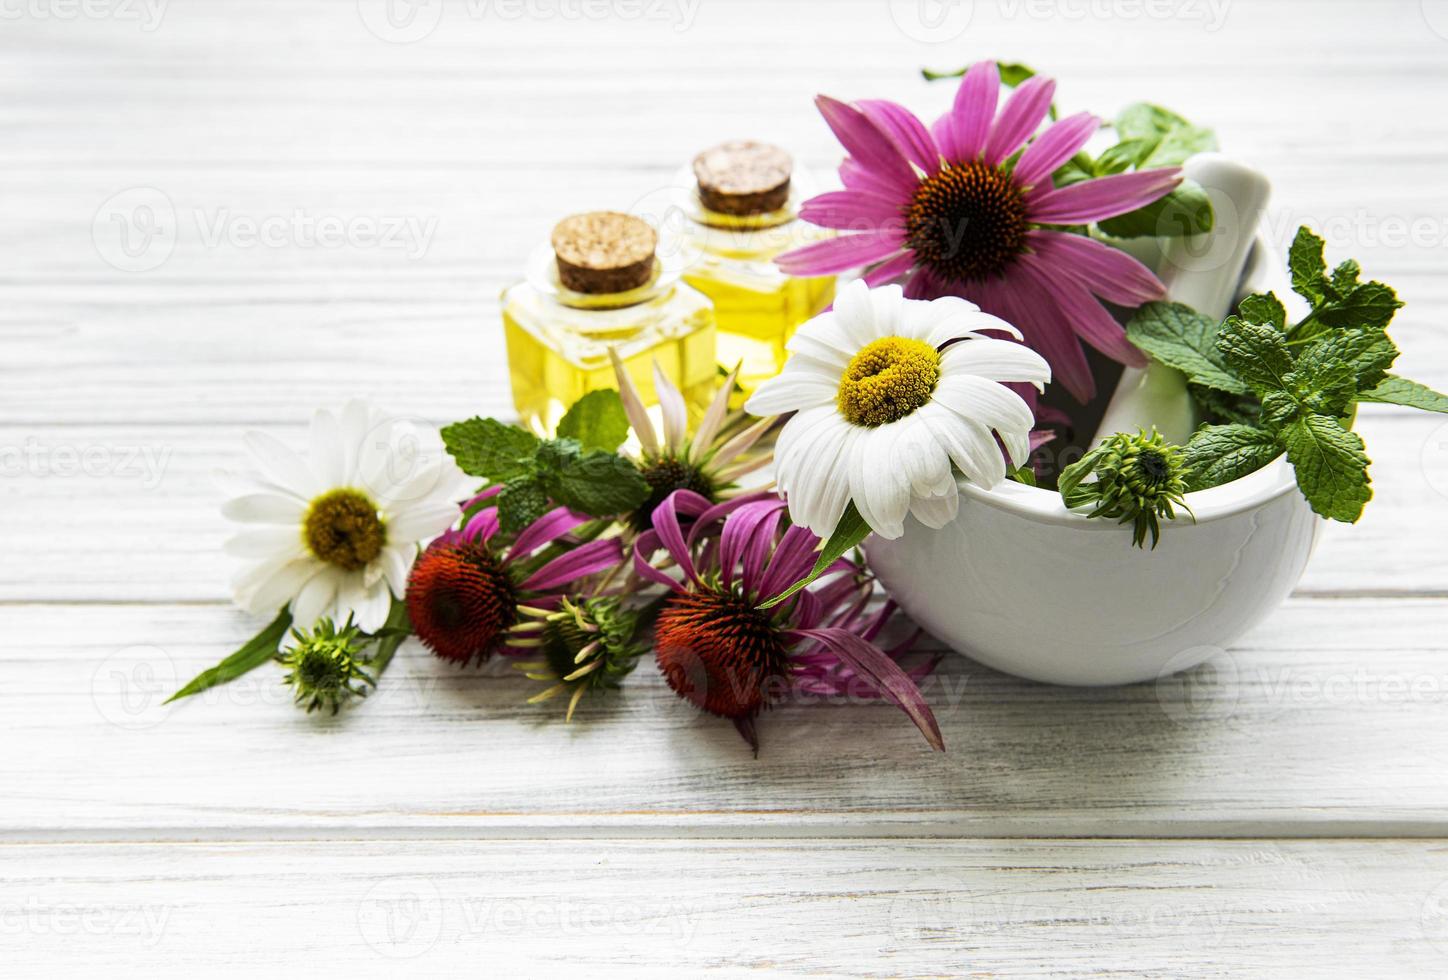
x=1264 y=308
x=597 y=421
x=1370 y=304
x=1178 y=145
x=1331 y=465
x=1142 y=120
x=1220 y=408
x=1361 y=356
x=847 y=535
x=392 y=635
x=1308 y=267
x=1400 y=391
x=1256 y=354
x=1187 y=210
x=490 y=449
x=600 y=484
x=1123 y=156
x=255 y=652
x=522 y=501
x=1180 y=337
x=1278 y=409
x=1219 y=454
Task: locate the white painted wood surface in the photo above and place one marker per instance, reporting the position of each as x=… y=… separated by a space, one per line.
x=1279 y=814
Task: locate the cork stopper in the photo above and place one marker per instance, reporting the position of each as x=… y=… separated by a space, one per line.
x=604 y=252
x=743 y=177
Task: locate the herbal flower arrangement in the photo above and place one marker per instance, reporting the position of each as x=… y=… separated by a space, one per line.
x=725 y=542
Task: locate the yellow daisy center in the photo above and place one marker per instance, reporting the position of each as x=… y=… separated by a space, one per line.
x=887 y=380
x=343 y=528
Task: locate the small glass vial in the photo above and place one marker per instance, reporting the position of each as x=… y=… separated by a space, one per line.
x=741 y=210
x=599 y=284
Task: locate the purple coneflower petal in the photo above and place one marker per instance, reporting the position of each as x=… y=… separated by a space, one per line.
x=1059 y=143
x=671 y=534
x=546 y=529
x=872 y=663
x=1103 y=197
x=842 y=254
x=961 y=133
x=644 y=546
x=737 y=533
x=867 y=143
x=586 y=559
x=791 y=561
x=857 y=177
x=1088 y=318
x=1045 y=328
x=852 y=211
x=1023 y=112
x=890 y=270
x=1108 y=272
x=908 y=132
x=482 y=526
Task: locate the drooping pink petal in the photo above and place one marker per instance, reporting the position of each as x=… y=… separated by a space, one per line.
x=1023 y=112
x=890 y=270
x=791 y=561
x=545 y=530
x=961 y=133
x=1088 y=318
x=852 y=211
x=866 y=142
x=644 y=548
x=1103 y=197
x=1059 y=143
x=1044 y=327
x=871 y=663
x=908 y=132
x=482 y=526
x=1108 y=272
x=762 y=517
x=671 y=534
x=841 y=254
x=585 y=560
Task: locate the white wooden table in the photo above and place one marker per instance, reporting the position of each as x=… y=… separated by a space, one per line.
x=1281 y=814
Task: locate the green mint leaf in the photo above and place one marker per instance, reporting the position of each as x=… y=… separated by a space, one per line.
x=1278 y=409
x=1370 y=304
x=1142 y=120
x=1177 y=145
x=597 y=421
x=1187 y=210
x=847 y=535
x=1256 y=354
x=1180 y=337
x=1123 y=156
x=1220 y=408
x=255 y=652
x=555 y=454
x=1400 y=391
x=600 y=484
x=1264 y=308
x=1365 y=356
x=1219 y=454
x=489 y=449
x=522 y=501
x=1331 y=465
x=1345 y=277
x=1308 y=267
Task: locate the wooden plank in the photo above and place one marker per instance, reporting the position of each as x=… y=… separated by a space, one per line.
x=1325 y=721
x=866 y=908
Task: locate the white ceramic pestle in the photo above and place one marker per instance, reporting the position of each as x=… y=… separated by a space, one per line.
x=1201 y=271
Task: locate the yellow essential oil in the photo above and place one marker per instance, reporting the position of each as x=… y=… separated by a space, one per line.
x=596 y=289
x=742 y=212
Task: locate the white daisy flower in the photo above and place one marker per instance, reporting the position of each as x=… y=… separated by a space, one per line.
x=335 y=533
x=890 y=392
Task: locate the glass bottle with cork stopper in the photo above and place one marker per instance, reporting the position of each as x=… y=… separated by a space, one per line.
x=598 y=284
x=742 y=206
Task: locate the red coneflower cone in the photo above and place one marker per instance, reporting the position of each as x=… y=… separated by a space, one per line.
x=721 y=651
x=469 y=597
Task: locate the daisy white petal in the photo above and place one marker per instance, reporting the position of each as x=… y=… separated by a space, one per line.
x=996 y=360
x=790 y=393
x=280 y=465
x=316 y=597
x=936 y=512
x=328 y=451
x=263 y=508
x=994 y=405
